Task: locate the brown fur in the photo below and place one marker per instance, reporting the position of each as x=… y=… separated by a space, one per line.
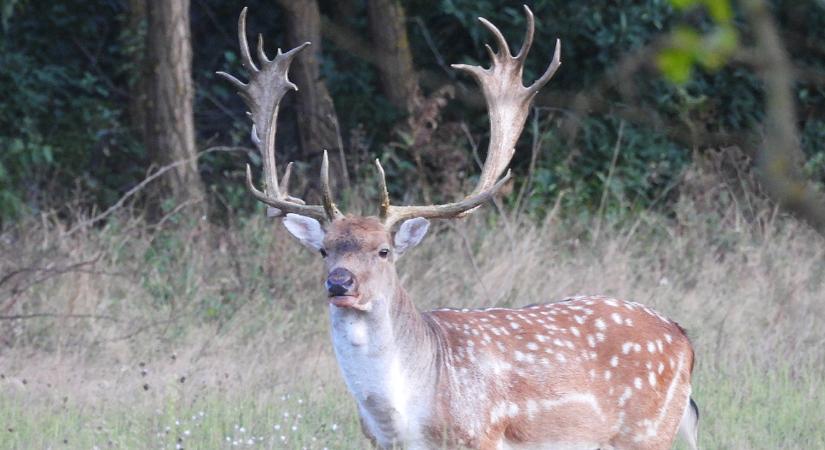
x=584 y=371
x=353 y=234
x=539 y=376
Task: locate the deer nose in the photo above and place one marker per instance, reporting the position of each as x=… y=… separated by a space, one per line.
x=340 y=281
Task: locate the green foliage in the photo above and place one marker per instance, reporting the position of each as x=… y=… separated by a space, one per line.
x=592 y=38
x=647 y=163
x=720 y=10
x=66 y=70
x=60 y=121
x=689 y=47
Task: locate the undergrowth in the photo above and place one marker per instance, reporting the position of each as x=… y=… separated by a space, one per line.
x=206 y=336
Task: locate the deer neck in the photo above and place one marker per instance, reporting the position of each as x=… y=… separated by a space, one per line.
x=388 y=357
x=394 y=326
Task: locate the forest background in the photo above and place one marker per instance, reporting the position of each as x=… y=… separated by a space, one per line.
x=675 y=158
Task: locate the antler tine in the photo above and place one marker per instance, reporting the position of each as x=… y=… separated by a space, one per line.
x=285 y=187
x=326 y=194
x=384 y=204
x=453 y=210
x=261 y=52
x=508 y=103
x=246 y=57
x=503 y=46
x=285 y=180
x=551 y=69
x=528 y=35
x=239 y=85
x=263 y=94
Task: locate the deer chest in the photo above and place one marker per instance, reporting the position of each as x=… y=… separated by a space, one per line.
x=392 y=405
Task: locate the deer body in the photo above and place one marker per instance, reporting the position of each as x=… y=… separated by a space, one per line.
x=584 y=373
x=587 y=373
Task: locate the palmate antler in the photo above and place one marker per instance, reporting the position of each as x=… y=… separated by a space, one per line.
x=508 y=103
x=262 y=95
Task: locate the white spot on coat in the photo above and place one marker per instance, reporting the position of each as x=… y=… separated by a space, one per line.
x=626 y=347
x=625 y=396
x=575 y=331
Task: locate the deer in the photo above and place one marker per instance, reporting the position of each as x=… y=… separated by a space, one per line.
x=585 y=372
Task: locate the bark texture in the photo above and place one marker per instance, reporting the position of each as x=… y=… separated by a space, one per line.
x=780 y=156
x=315 y=109
x=170 y=128
x=387 y=23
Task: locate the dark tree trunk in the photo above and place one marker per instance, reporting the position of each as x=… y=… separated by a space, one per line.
x=170 y=128
x=317 y=120
x=387 y=23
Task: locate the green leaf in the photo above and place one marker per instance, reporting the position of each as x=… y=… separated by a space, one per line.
x=675 y=64
x=683 y=4
x=720 y=10
x=686 y=38
x=718 y=48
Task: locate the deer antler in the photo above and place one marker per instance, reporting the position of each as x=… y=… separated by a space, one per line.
x=262 y=95
x=508 y=103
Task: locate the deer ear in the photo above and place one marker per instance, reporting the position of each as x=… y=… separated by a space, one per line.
x=305 y=229
x=410 y=234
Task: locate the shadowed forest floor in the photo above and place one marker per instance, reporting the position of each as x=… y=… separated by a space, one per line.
x=217 y=337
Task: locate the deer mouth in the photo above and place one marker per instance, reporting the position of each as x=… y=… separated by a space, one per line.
x=348 y=301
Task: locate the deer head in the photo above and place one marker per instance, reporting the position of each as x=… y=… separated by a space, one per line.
x=360 y=252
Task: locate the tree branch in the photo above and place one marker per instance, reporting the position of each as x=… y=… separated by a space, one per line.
x=780 y=157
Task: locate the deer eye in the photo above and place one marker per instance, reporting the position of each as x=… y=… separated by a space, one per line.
x=323 y=253
x=383 y=252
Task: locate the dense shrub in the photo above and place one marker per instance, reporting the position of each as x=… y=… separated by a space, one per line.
x=66 y=69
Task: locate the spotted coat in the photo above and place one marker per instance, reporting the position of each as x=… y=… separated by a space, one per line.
x=585 y=372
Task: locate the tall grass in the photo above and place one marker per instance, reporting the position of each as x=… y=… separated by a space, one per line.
x=206 y=336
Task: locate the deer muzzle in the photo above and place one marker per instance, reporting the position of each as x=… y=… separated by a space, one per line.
x=341 y=287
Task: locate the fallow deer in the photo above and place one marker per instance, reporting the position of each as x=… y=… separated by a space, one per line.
x=586 y=372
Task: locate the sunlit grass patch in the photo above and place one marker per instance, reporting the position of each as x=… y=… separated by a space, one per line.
x=741 y=408
x=324 y=419
x=748 y=408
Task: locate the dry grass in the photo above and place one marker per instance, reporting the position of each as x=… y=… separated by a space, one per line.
x=231 y=321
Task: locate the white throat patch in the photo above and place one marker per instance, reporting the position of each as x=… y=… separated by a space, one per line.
x=374 y=372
